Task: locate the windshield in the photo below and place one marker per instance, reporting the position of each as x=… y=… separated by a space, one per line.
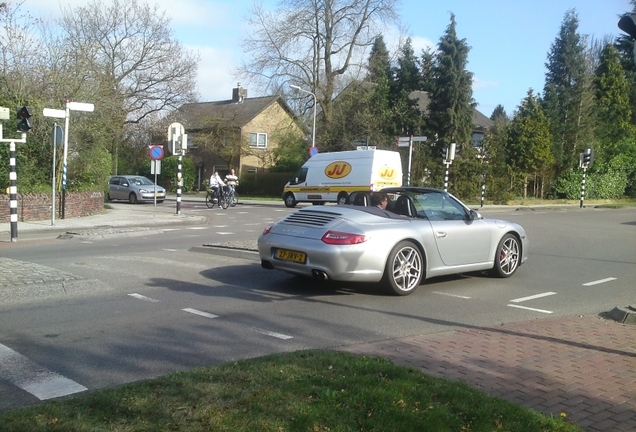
x=140 y=181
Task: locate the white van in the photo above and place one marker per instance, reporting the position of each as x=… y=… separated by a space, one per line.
x=331 y=177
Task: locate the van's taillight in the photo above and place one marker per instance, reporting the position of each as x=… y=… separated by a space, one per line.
x=371 y=187
x=343 y=238
x=268 y=229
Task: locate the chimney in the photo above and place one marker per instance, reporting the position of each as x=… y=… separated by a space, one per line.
x=239 y=94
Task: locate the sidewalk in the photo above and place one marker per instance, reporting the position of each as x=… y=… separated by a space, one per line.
x=581 y=367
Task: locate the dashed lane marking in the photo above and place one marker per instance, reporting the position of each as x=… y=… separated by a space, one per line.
x=451 y=295
x=609 y=279
x=536 y=296
x=197 y=228
x=198 y=312
x=273 y=334
x=33 y=378
x=142 y=297
x=530 y=309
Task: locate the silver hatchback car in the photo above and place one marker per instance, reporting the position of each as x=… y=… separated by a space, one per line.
x=134 y=188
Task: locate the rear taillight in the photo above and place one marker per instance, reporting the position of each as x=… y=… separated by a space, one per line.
x=268 y=229
x=342 y=238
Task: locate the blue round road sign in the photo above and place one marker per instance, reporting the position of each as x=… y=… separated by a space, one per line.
x=313 y=151
x=156 y=152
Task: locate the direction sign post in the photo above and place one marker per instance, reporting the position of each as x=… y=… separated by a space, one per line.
x=57 y=136
x=408 y=142
x=65 y=114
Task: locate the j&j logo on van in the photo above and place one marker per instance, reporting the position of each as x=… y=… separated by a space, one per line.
x=338 y=170
x=388 y=173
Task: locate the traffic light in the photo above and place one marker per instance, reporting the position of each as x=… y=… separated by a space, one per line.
x=24 y=119
x=628 y=25
x=443 y=152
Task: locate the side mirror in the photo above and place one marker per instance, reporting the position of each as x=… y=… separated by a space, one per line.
x=125 y=184
x=475 y=215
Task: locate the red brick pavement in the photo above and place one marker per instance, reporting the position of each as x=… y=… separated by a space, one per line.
x=582 y=366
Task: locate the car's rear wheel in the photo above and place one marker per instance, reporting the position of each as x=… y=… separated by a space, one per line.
x=290 y=201
x=132 y=198
x=507 y=257
x=404 y=269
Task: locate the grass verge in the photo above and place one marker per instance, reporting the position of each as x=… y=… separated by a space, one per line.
x=299 y=391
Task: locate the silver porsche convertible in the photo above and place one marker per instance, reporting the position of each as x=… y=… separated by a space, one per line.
x=423 y=233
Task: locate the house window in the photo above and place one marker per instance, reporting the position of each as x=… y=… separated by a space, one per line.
x=258 y=140
x=478 y=137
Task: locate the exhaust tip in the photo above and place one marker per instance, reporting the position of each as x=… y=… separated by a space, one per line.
x=319 y=275
x=267 y=265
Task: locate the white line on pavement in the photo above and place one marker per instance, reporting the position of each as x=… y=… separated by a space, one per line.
x=536 y=296
x=273 y=334
x=169 y=250
x=531 y=309
x=198 y=228
x=198 y=312
x=451 y=295
x=31 y=377
x=225 y=233
x=142 y=297
x=609 y=279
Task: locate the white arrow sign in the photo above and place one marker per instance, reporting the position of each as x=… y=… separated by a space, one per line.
x=80 y=106
x=56 y=113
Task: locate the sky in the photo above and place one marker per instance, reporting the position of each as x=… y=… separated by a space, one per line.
x=509 y=39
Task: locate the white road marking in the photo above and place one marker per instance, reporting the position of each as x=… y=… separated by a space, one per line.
x=609 y=279
x=198 y=312
x=536 y=296
x=257 y=223
x=225 y=233
x=169 y=250
x=273 y=334
x=530 y=309
x=87 y=242
x=197 y=228
x=220 y=226
x=450 y=295
x=31 y=377
x=141 y=297
x=172 y=229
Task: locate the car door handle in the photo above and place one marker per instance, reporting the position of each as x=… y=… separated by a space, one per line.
x=440 y=234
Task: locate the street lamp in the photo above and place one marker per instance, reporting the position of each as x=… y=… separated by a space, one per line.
x=313 y=132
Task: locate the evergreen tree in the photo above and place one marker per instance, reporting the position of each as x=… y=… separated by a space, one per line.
x=427 y=64
x=529 y=144
x=452 y=104
x=612 y=107
x=406 y=116
x=499 y=113
x=564 y=93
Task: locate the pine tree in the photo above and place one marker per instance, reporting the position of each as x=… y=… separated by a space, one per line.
x=612 y=107
x=564 y=98
x=452 y=104
x=499 y=113
x=406 y=116
x=529 y=144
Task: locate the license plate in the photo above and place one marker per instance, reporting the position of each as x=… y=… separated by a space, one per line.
x=290 y=255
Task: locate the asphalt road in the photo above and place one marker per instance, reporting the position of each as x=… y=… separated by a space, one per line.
x=114 y=309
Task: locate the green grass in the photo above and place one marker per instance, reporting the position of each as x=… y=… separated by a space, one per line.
x=299 y=391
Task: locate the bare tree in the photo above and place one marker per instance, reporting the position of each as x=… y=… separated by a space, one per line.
x=134 y=54
x=311 y=43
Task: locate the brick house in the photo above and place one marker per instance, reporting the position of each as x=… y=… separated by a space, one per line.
x=238 y=133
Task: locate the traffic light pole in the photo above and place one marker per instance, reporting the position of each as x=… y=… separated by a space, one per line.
x=583 y=188
x=13 y=185
x=447 y=164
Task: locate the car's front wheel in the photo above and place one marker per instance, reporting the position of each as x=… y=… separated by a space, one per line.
x=132 y=198
x=404 y=269
x=342 y=198
x=290 y=201
x=507 y=257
